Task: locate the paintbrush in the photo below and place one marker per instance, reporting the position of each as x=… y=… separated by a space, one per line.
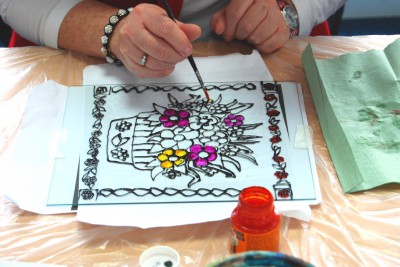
x=190 y=58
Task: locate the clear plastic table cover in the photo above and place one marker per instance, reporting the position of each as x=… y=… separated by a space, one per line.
x=360 y=229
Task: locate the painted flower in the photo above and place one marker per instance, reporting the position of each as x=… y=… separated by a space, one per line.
x=275 y=139
x=172 y=117
x=273 y=113
x=178 y=137
x=234 y=120
x=278 y=159
x=281 y=174
x=273 y=128
x=269 y=97
x=202 y=155
x=171 y=157
x=284 y=193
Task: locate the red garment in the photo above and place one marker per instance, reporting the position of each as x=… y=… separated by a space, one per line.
x=176 y=6
x=17 y=41
x=321 y=29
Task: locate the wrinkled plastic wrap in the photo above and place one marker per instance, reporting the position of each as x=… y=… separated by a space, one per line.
x=360 y=229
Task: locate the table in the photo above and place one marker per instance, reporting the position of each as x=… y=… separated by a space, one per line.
x=360 y=229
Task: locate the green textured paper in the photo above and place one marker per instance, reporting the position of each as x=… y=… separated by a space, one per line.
x=357 y=97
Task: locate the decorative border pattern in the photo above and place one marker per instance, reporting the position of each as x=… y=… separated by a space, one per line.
x=282 y=188
x=89 y=177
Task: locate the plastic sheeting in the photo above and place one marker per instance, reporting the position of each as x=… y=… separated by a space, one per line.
x=360 y=229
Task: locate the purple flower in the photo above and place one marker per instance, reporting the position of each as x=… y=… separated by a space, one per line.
x=202 y=155
x=234 y=120
x=172 y=117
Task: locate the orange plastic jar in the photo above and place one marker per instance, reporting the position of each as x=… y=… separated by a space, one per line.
x=255 y=222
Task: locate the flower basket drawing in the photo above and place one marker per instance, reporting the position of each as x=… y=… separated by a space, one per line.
x=190 y=138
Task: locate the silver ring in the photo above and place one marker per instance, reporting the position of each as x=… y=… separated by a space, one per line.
x=143 y=60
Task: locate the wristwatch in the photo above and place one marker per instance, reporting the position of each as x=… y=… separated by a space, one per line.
x=290 y=15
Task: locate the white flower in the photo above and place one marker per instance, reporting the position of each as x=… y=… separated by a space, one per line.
x=178 y=138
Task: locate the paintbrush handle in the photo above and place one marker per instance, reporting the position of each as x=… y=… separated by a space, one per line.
x=168 y=9
x=190 y=58
x=196 y=71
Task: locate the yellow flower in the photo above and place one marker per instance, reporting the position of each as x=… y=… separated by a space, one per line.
x=170 y=157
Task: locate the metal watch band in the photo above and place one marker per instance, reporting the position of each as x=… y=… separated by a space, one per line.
x=282 y=4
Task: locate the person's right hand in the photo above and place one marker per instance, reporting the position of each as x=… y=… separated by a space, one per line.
x=147 y=30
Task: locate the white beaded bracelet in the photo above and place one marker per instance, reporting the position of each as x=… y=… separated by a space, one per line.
x=108 y=31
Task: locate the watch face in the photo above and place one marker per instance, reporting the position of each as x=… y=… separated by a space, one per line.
x=291 y=17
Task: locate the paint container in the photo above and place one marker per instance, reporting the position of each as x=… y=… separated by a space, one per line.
x=159 y=256
x=255 y=222
x=260 y=258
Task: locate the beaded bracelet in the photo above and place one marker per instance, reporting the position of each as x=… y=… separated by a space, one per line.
x=108 y=31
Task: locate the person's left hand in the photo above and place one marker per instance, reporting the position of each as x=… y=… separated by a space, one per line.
x=259 y=22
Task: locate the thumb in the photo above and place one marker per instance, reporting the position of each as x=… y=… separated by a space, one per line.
x=218 y=21
x=192 y=31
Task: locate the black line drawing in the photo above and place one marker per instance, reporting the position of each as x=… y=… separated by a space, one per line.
x=186 y=139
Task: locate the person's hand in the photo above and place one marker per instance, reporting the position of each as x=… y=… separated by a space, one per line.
x=259 y=22
x=147 y=30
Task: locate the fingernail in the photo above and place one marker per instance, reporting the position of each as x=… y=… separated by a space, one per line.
x=187 y=51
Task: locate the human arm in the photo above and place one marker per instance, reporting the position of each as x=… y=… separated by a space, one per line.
x=37 y=21
x=313 y=12
x=147 y=30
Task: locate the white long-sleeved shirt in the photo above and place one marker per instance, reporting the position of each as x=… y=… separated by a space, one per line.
x=39 y=21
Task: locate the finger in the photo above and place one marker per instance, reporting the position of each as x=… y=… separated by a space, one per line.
x=276 y=41
x=234 y=13
x=157 y=47
x=254 y=15
x=168 y=30
x=192 y=31
x=155 y=20
x=218 y=21
x=266 y=28
x=142 y=71
x=135 y=54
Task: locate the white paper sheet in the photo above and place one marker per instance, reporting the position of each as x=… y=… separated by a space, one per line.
x=54 y=154
x=226 y=68
x=229 y=68
x=40 y=146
